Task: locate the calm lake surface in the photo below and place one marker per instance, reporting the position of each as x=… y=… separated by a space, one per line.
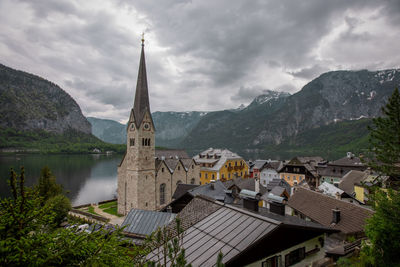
x=88 y=178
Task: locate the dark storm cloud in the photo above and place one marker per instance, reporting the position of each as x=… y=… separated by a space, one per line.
x=231 y=35
x=200 y=55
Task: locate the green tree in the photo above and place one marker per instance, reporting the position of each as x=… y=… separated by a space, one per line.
x=47 y=186
x=29 y=235
x=383 y=228
x=385 y=139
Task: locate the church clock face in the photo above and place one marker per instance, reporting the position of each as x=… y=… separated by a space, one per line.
x=146 y=126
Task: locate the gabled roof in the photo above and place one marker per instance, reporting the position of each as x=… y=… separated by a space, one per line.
x=241 y=183
x=278 y=182
x=351 y=178
x=258 y=164
x=347 y=161
x=330 y=189
x=278 y=191
x=171 y=153
x=141 y=102
x=274 y=164
x=187 y=163
x=181 y=189
x=141 y=223
x=212 y=155
x=318 y=207
x=211 y=227
x=171 y=163
x=214 y=190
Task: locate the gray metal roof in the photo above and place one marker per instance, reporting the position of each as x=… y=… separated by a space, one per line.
x=227 y=230
x=144 y=222
x=210 y=227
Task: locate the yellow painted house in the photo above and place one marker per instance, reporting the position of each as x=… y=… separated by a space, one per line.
x=220 y=164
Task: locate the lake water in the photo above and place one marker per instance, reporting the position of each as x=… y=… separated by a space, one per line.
x=88 y=178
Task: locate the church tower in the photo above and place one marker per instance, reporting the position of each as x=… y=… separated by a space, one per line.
x=136 y=173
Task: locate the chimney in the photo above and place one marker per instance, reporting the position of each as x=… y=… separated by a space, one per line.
x=250 y=204
x=349 y=155
x=335 y=215
x=169 y=209
x=212 y=184
x=276 y=204
x=250 y=199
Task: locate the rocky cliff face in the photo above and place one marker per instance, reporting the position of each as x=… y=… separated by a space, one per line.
x=332 y=97
x=28 y=102
x=172 y=127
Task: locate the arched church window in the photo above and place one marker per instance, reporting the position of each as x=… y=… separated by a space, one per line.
x=132 y=141
x=162 y=194
x=179 y=182
x=192 y=181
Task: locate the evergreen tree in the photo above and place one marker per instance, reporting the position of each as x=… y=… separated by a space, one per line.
x=47 y=185
x=383 y=228
x=385 y=139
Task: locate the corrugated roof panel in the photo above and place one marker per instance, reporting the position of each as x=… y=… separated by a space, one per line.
x=251 y=236
x=241 y=235
x=144 y=222
x=208 y=251
x=224 y=235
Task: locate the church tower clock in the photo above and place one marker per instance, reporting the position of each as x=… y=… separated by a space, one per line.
x=136 y=173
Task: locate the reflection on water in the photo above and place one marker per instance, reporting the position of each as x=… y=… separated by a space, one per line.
x=88 y=178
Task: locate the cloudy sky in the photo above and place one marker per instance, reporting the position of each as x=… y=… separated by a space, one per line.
x=200 y=54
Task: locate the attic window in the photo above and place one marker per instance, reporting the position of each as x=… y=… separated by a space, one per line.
x=162 y=169
x=179 y=168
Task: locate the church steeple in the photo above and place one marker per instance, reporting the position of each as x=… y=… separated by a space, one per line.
x=141 y=103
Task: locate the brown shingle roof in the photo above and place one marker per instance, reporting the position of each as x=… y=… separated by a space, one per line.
x=318 y=207
x=347 y=161
x=351 y=178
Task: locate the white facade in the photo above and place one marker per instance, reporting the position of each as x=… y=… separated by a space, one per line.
x=266 y=176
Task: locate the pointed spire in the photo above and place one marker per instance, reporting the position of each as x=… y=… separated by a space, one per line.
x=141 y=103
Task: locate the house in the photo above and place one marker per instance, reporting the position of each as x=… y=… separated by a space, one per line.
x=332 y=172
x=256 y=168
x=337 y=214
x=278 y=194
x=269 y=171
x=214 y=190
x=301 y=169
x=220 y=164
x=246 y=237
x=331 y=190
x=279 y=182
x=238 y=184
x=141 y=223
